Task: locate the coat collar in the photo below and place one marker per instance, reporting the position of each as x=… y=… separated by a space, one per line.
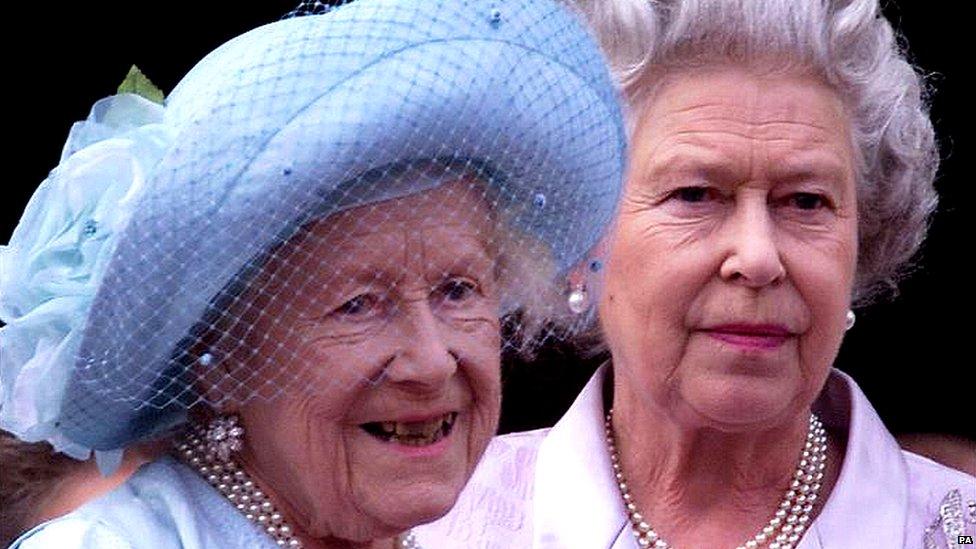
x=873 y=475
x=576 y=499
x=577 y=503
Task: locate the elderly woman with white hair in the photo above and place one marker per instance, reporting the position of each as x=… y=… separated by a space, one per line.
x=781 y=170
x=302 y=269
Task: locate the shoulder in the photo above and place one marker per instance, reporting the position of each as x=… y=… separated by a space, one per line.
x=130 y=516
x=71 y=532
x=494 y=509
x=927 y=474
x=512 y=454
x=507 y=468
x=163 y=505
x=929 y=482
x=941 y=502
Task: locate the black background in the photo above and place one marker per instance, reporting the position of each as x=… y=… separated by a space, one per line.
x=911 y=356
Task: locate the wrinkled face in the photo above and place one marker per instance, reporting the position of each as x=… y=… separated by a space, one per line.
x=732 y=263
x=386 y=319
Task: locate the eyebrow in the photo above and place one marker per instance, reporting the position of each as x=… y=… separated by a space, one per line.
x=469 y=258
x=477 y=250
x=819 y=167
x=355 y=270
x=697 y=161
x=714 y=166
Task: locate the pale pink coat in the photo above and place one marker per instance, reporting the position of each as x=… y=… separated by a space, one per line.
x=552 y=488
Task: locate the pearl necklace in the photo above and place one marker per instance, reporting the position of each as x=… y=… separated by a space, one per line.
x=791 y=518
x=228 y=478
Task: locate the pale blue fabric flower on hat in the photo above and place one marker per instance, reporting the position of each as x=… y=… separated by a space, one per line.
x=54 y=262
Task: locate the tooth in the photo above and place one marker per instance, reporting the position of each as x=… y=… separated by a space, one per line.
x=418 y=433
x=417 y=428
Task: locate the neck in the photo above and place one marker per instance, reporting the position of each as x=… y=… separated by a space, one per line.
x=335 y=543
x=239 y=478
x=702 y=486
x=297 y=522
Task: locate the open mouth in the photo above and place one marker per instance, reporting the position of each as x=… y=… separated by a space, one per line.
x=412 y=433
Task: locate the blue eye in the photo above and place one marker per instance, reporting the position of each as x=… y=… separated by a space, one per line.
x=360 y=305
x=808 y=201
x=456 y=289
x=691 y=194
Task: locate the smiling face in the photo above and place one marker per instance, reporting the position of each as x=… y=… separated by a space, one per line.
x=733 y=257
x=385 y=317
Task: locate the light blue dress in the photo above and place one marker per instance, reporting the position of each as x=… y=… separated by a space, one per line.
x=163 y=505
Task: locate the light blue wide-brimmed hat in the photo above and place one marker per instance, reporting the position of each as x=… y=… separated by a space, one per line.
x=290 y=122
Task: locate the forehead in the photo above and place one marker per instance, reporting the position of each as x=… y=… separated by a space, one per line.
x=732 y=105
x=461 y=203
x=451 y=220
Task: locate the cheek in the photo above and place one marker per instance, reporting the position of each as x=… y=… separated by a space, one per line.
x=295 y=443
x=484 y=382
x=823 y=275
x=314 y=417
x=477 y=343
x=653 y=279
x=350 y=363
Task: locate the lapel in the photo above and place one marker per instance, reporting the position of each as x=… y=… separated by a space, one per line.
x=577 y=504
x=868 y=506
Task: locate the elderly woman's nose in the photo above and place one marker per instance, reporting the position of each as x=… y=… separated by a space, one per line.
x=752 y=256
x=424 y=358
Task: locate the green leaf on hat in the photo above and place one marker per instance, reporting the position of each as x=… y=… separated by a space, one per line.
x=137 y=83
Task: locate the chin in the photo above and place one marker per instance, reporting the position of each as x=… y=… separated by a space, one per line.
x=409 y=508
x=738 y=405
x=387 y=518
x=424 y=497
x=432 y=511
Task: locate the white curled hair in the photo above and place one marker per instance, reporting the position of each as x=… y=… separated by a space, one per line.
x=847 y=43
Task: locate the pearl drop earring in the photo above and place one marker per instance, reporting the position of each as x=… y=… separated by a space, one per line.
x=577 y=300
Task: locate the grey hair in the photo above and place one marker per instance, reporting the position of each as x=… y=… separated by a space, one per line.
x=847 y=43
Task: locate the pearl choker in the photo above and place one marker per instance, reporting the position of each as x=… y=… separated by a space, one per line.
x=228 y=478
x=789 y=522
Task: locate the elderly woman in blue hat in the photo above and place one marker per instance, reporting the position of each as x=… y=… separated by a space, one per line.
x=303 y=267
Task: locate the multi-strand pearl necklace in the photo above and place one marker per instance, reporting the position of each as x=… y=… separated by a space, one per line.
x=791 y=518
x=225 y=475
